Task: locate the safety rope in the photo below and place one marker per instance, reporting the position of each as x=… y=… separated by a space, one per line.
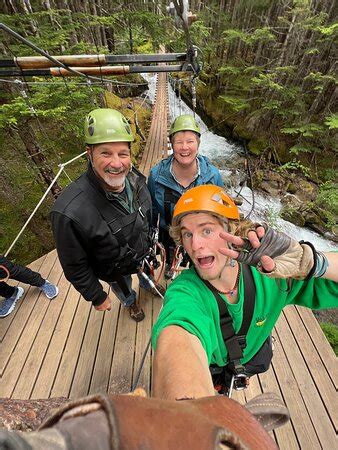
x=62 y=166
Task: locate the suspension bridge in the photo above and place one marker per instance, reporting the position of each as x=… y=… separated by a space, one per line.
x=67 y=348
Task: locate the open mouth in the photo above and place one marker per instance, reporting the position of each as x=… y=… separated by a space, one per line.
x=205 y=262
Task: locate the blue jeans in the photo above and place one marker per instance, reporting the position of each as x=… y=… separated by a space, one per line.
x=130 y=298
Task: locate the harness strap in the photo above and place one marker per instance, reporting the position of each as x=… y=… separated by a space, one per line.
x=108 y=210
x=236 y=342
x=170 y=200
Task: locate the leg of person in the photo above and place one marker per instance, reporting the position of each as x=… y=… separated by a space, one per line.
x=127 y=297
x=28 y=276
x=6 y=290
x=180 y=366
x=22 y=273
x=11 y=295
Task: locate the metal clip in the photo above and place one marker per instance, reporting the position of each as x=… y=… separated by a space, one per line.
x=241 y=381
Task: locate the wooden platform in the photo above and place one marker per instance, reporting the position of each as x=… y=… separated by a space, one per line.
x=64 y=347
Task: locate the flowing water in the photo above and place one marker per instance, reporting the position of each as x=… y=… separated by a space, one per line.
x=228 y=157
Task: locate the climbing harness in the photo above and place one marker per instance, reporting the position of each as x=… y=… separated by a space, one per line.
x=177 y=261
x=235 y=342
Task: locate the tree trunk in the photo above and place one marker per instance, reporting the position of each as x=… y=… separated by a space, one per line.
x=27 y=135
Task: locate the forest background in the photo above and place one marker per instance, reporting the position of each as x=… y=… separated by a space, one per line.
x=269 y=78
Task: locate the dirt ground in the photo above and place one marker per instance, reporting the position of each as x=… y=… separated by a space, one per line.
x=327 y=315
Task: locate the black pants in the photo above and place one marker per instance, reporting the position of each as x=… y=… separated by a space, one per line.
x=18 y=273
x=258 y=364
x=168 y=244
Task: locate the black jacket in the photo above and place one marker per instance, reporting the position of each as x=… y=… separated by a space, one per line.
x=96 y=237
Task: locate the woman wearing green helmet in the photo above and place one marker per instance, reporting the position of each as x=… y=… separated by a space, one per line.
x=184 y=169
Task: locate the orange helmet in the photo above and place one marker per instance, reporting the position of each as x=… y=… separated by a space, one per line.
x=205 y=198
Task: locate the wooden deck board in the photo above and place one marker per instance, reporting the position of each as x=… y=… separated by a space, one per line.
x=67 y=348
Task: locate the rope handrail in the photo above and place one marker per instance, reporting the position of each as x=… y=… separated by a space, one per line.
x=62 y=166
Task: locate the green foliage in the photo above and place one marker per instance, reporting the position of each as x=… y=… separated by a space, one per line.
x=328 y=30
x=235 y=103
x=331 y=332
x=266 y=81
x=299 y=148
x=229 y=70
x=328 y=196
x=307 y=130
x=294 y=165
x=331 y=121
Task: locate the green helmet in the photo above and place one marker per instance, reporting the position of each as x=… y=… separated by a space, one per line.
x=185 y=122
x=107 y=125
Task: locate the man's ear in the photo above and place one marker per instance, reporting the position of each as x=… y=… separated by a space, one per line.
x=89 y=150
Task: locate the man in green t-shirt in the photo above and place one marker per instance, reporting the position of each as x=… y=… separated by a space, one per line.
x=187 y=336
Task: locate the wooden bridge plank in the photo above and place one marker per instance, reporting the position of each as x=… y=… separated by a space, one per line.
x=44 y=381
x=311 y=355
x=292 y=396
x=101 y=372
x=285 y=436
x=64 y=376
x=37 y=352
x=85 y=363
x=142 y=339
x=326 y=353
x=313 y=403
x=121 y=374
x=27 y=337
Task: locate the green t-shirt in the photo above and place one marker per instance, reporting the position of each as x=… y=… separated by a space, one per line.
x=191 y=305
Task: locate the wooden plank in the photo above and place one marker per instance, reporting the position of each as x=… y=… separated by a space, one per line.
x=313 y=404
x=157 y=305
x=101 y=373
x=293 y=399
x=311 y=356
x=6 y=321
x=46 y=376
x=39 y=347
x=23 y=346
x=142 y=338
x=121 y=374
x=85 y=364
x=285 y=436
x=64 y=377
x=326 y=353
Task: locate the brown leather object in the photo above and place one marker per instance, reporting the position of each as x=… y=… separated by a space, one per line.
x=134 y=423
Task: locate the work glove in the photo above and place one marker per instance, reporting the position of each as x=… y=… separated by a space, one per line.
x=292 y=259
x=133 y=422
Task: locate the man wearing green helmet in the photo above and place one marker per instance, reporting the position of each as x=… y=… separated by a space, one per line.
x=102 y=221
x=172 y=176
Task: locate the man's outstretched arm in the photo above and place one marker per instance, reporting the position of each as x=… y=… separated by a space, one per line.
x=180 y=366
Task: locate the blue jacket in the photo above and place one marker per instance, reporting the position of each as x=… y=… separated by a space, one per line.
x=161 y=180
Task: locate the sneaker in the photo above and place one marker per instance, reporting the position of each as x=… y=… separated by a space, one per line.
x=9 y=303
x=136 y=313
x=49 y=289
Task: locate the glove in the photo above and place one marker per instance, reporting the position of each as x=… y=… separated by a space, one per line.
x=292 y=259
x=118 y=422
